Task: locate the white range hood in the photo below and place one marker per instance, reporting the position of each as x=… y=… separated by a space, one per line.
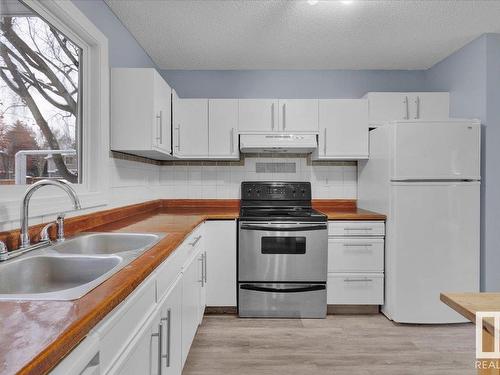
x=281 y=142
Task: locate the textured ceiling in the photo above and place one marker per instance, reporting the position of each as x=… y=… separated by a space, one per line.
x=280 y=34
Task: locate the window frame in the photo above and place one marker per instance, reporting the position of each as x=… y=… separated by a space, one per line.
x=94 y=124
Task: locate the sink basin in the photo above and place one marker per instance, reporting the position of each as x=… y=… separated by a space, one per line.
x=108 y=243
x=70 y=269
x=54 y=277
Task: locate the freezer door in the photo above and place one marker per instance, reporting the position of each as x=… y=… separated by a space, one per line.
x=425 y=150
x=432 y=247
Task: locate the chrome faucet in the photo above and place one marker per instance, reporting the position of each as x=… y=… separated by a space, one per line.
x=63 y=184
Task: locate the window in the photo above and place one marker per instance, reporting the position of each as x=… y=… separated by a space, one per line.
x=40 y=99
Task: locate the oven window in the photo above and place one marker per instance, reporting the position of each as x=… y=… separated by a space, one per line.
x=283 y=245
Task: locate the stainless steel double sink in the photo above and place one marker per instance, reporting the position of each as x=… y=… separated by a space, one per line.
x=70 y=269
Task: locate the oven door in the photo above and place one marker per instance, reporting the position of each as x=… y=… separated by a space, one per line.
x=282 y=252
x=290 y=300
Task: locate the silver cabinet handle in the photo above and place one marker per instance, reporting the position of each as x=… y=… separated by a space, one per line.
x=407 y=108
x=161 y=127
x=158 y=126
x=272 y=116
x=169 y=325
x=179 y=137
x=284 y=116
x=324 y=140
x=195 y=241
x=358 y=245
x=360 y=228
x=232 y=140
x=160 y=349
x=349 y=280
x=205 y=263
x=417 y=103
x=202 y=280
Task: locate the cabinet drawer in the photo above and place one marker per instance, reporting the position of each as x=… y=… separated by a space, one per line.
x=356 y=228
x=168 y=272
x=355 y=289
x=116 y=331
x=355 y=254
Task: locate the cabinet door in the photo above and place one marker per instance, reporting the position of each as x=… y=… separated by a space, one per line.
x=429 y=105
x=132 y=113
x=162 y=108
x=388 y=106
x=298 y=115
x=171 y=323
x=343 y=129
x=191 y=128
x=142 y=355
x=223 y=128
x=221 y=262
x=191 y=294
x=257 y=114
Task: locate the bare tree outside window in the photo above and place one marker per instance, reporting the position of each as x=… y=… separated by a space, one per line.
x=40 y=79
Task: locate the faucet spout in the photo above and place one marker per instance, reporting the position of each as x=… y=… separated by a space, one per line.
x=63 y=184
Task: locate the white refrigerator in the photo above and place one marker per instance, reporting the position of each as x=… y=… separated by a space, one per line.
x=425 y=176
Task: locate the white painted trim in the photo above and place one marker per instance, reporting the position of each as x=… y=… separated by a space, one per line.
x=66 y=17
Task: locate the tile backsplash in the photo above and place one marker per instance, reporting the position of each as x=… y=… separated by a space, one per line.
x=329 y=180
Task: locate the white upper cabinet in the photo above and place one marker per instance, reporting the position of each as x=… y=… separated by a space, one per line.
x=298 y=115
x=223 y=129
x=258 y=115
x=429 y=105
x=343 y=133
x=283 y=115
x=190 y=130
x=388 y=106
x=140 y=113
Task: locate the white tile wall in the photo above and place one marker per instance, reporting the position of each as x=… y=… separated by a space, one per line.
x=335 y=181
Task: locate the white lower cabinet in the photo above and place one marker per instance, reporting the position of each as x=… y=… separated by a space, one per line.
x=143 y=353
x=191 y=287
x=171 y=330
x=152 y=330
x=355 y=288
x=220 y=244
x=156 y=348
x=355 y=263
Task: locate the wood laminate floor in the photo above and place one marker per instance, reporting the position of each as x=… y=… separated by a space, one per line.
x=340 y=344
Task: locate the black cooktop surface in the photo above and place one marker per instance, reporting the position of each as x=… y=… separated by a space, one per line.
x=281 y=214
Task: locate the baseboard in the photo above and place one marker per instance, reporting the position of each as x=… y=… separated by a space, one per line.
x=353 y=309
x=221 y=310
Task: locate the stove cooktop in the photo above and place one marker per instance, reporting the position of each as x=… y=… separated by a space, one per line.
x=281 y=214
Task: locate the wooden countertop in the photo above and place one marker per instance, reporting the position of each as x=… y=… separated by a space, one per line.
x=468 y=304
x=36 y=335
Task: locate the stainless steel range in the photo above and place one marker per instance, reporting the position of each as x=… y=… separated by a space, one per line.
x=282 y=252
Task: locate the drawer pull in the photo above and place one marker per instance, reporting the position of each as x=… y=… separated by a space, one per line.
x=193 y=244
x=349 y=280
x=357 y=244
x=362 y=228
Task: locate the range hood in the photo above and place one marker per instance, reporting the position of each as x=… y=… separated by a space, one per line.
x=277 y=143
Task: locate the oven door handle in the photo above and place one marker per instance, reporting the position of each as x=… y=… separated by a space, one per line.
x=308 y=288
x=303 y=228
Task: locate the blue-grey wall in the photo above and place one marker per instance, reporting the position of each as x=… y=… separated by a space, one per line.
x=124 y=50
x=472 y=76
x=290 y=83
